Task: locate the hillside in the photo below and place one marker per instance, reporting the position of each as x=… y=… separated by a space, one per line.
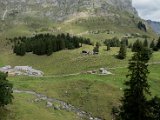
x=72 y=86
x=62 y=9
x=27 y=17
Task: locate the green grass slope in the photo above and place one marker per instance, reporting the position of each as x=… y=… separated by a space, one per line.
x=92 y=93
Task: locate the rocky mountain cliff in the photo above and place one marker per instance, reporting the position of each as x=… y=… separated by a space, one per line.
x=62 y=9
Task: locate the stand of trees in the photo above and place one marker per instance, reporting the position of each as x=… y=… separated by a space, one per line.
x=46 y=44
x=115 y=42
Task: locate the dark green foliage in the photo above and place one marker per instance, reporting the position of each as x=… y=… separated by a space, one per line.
x=134 y=103
x=155 y=48
x=42 y=44
x=142 y=26
x=146 y=54
x=122 y=52
x=108 y=47
x=137 y=46
x=158 y=43
x=145 y=43
x=114 y=42
x=152 y=45
x=96 y=48
x=130 y=45
x=124 y=41
x=154 y=105
x=49 y=50
x=5 y=90
x=20 y=49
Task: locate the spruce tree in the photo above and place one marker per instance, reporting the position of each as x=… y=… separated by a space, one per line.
x=96 y=48
x=145 y=43
x=122 y=51
x=108 y=47
x=134 y=103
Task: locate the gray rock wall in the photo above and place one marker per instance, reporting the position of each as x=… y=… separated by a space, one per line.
x=61 y=9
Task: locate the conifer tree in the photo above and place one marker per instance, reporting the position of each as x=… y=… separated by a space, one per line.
x=122 y=51
x=152 y=45
x=134 y=103
x=145 y=43
x=137 y=46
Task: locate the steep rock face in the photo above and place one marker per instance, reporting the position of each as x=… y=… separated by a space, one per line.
x=62 y=9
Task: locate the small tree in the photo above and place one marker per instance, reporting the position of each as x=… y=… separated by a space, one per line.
x=5 y=90
x=145 y=43
x=96 y=48
x=122 y=52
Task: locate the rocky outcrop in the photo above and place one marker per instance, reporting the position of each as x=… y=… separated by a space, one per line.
x=62 y=9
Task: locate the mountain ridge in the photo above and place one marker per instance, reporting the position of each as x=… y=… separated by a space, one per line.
x=155 y=26
x=61 y=9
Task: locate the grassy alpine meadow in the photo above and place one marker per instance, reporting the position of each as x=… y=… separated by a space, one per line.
x=96 y=94
x=66 y=61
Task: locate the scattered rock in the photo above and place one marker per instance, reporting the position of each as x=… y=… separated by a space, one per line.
x=103 y=71
x=21 y=70
x=37 y=100
x=49 y=104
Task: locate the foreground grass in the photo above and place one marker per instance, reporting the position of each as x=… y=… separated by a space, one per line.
x=92 y=93
x=23 y=108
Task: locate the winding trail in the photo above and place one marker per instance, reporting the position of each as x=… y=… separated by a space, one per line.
x=63 y=105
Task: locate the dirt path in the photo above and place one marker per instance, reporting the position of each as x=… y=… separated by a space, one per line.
x=50 y=102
